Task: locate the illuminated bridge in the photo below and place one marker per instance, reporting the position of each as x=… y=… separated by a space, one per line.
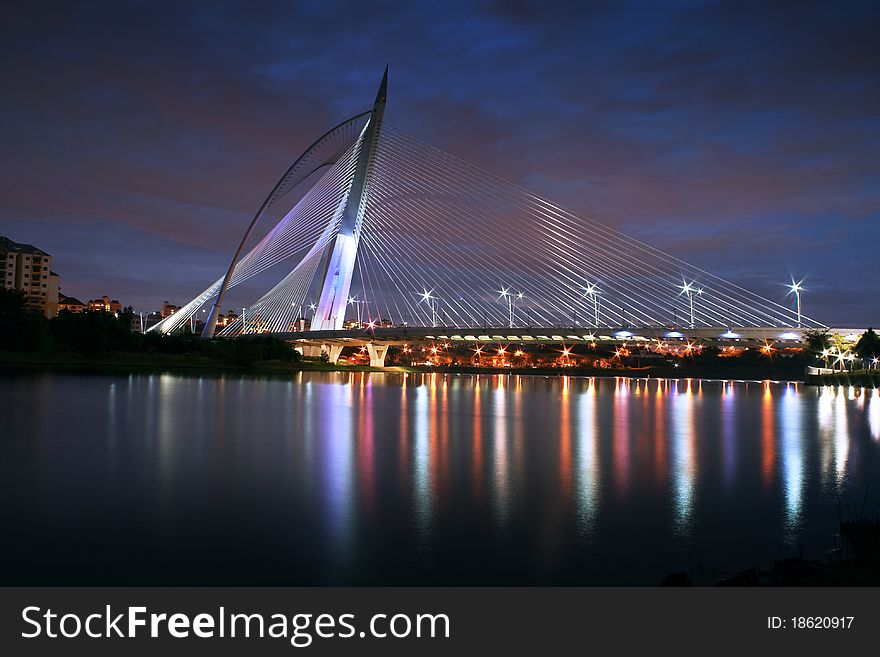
x=390 y=233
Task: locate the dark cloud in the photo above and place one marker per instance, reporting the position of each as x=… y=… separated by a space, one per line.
x=744 y=136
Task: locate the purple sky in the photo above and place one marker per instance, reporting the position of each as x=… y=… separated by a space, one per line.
x=139 y=138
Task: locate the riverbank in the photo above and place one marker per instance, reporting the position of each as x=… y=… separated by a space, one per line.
x=857 y=379
x=120 y=362
x=188 y=362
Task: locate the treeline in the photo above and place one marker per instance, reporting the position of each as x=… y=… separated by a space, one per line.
x=92 y=334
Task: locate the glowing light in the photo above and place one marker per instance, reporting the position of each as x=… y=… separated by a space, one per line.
x=767 y=349
x=501 y=351
x=796 y=289
x=519 y=352
x=371 y=324
x=478 y=351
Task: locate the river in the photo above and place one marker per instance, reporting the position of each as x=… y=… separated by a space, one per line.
x=359 y=478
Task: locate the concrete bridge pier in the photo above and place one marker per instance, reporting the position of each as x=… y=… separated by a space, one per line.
x=377 y=354
x=333 y=351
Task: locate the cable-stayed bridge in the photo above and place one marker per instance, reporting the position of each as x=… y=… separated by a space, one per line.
x=405 y=238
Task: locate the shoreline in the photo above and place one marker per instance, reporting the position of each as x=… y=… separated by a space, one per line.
x=127 y=363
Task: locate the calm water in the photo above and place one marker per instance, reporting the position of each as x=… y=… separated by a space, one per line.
x=414 y=479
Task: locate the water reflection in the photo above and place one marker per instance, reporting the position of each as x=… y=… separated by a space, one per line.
x=768 y=437
x=874 y=415
x=728 y=434
x=500 y=463
x=621 y=437
x=337 y=427
x=326 y=473
x=841 y=437
x=792 y=460
x=422 y=461
x=588 y=478
x=683 y=465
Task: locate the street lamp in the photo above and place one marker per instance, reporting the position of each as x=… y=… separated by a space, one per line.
x=353 y=301
x=689 y=290
x=593 y=292
x=796 y=288
x=511 y=302
x=428 y=298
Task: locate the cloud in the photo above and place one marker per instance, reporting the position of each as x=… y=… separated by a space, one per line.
x=698 y=125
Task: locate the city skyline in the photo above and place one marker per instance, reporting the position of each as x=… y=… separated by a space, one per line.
x=158 y=150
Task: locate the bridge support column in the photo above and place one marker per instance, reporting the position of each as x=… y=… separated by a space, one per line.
x=333 y=352
x=377 y=354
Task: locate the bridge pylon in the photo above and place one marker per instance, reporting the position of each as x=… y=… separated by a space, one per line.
x=339 y=267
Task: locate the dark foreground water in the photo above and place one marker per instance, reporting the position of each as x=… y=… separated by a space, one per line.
x=415 y=479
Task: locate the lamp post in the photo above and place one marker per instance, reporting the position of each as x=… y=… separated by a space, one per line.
x=511 y=302
x=795 y=288
x=431 y=300
x=689 y=290
x=593 y=292
x=355 y=301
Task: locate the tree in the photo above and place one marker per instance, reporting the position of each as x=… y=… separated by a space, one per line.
x=868 y=345
x=21 y=329
x=817 y=341
x=93 y=332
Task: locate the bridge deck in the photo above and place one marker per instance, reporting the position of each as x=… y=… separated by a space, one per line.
x=552 y=335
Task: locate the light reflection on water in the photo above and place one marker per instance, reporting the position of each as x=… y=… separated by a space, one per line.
x=416 y=478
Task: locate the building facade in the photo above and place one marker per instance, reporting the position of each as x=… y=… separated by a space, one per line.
x=105 y=304
x=168 y=309
x=27 y=269
x=71 y=304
